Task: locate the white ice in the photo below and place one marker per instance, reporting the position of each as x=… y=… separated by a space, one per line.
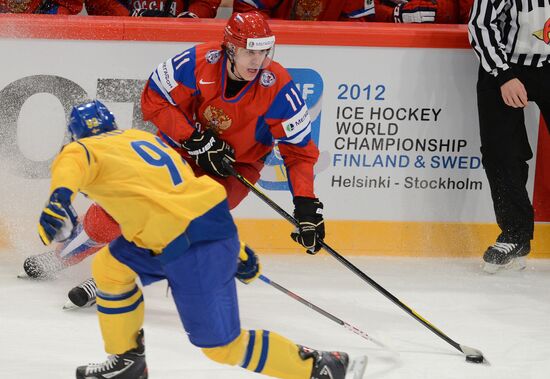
x=506 y=316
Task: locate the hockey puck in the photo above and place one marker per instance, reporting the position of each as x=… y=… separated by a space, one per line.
x=474 y=358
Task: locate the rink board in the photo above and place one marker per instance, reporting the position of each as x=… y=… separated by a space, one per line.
x=375 y=238
x=393 y=111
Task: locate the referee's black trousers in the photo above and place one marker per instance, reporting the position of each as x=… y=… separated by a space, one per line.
x=505 y=148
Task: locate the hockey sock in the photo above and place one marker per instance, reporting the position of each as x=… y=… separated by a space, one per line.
x=120 y=319
x=273 y=355
x=120 y=305
x=264 y=352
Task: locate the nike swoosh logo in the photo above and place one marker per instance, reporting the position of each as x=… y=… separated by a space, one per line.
x=203 y=82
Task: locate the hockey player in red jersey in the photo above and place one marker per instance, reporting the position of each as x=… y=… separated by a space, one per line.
x=309 y=10
x=41 y=6
x=154 y=8
x=234 y=101
x=423 y=11
x=231 y=101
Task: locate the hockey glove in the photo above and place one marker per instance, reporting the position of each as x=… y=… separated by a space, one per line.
x=415 y=11
x=149 y=13
x=187 y=14
x=311 y=227
x=249 y=265
x=58 y=217
x=209 y=152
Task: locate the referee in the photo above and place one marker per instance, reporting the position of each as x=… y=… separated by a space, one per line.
x=512 y=40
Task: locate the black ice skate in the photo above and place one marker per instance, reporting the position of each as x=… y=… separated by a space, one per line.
x=130 y=365
x=82 y=296
x=42 y=266
x=333 y=364
x=509 y=256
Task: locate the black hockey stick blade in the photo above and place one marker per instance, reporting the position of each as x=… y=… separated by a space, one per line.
x=473 y=355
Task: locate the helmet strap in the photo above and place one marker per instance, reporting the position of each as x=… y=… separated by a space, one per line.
x=232 y=68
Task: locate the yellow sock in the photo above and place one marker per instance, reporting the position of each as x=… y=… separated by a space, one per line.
x=272 y=354
x=119 y=302
x=264 y=352
x=120 y=319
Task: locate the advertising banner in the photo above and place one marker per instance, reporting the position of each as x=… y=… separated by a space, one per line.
x=396 y=128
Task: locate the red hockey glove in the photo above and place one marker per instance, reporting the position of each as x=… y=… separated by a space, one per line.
x=415 y=11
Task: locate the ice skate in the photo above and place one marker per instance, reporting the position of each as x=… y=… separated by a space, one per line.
x=334 y=364
x=505 y=256
x=82 y=296
x=129 y=365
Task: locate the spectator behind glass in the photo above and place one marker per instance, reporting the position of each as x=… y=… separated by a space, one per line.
x=41 y=6
x=154 y=8
x=309 y=10
x=423 y=11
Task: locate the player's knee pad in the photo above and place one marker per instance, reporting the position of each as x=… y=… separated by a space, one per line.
x=230 y=354
x=112 y=276
x=99 y=225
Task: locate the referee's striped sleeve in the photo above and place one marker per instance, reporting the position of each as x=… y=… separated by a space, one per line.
x=485 y=36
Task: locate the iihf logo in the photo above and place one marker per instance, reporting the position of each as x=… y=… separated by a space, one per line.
x=213 y=56
x=267 y=79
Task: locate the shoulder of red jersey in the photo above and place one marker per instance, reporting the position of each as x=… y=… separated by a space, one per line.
x=176 y=71
x=274 y=75
x=182 y=69
x=209 y=53
x=287 y=112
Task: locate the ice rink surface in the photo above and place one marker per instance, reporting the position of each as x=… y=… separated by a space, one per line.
x=506 y=316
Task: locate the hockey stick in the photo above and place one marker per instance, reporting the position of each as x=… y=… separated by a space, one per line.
x=472 y=355
x=346 y=325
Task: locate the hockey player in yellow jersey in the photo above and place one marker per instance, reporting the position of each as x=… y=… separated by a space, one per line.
x=177 y=227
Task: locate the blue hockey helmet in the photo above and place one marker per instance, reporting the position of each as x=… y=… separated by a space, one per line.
x=90 y=119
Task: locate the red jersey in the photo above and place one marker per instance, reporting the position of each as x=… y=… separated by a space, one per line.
x=189 y=89
x=41 y=6
x=201 y=8
x=448 y=11
x=309 y=10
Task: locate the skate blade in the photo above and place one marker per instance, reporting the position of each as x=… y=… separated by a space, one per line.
x=356 y=367
x=69 y=305
x=516 y=264
x=24 y=275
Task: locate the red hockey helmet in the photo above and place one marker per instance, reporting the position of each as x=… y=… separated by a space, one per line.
x=248 y=31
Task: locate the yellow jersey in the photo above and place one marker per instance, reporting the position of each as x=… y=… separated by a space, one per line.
x=146 y=187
